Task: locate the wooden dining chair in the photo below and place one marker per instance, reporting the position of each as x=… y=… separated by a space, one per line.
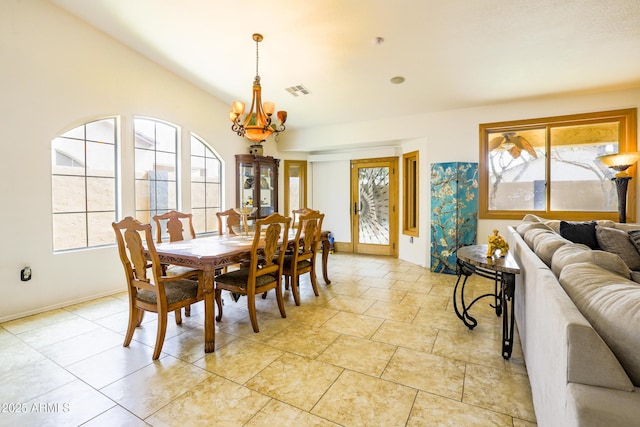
x=297 y=213
x=265 y=267
x=227 y=220
x=301 y=258
x=174 y=223
x=149 y=289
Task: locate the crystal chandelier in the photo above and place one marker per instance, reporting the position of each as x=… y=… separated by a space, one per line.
x=256 y=125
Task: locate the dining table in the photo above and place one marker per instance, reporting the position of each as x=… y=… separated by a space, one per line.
x=209 y=255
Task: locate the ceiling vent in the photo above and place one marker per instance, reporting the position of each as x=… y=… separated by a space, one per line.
x=298 y=90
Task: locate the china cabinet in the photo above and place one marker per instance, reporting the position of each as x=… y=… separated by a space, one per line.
x=257 y=183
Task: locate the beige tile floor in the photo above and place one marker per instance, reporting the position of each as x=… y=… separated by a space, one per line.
x=380 y=346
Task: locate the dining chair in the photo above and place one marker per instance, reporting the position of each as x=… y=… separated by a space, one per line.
x=265 y=267
x=227 y=220
x=297 y=213
x=174 y=224
x=149 y=289
x=301 y=258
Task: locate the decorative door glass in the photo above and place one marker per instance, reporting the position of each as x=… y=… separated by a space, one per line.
x=373 y=205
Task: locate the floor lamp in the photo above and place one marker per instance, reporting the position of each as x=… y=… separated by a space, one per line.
x=620 y=162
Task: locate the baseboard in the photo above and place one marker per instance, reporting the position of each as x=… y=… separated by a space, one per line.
x=343 y=247
x=57 y=306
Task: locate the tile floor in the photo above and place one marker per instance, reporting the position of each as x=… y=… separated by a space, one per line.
x=380 y=346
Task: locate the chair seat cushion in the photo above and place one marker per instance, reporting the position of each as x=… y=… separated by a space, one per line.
x=179 y=290
x=305 y=263
x=240 y=278
x=177 y=270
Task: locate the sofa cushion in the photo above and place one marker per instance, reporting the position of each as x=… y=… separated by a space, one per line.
x=580 y=232
x=634 y=236
x=545 y=245
x=526 y=226
x=532 y=234
x=618 y=242
x=554 y=224
x=575 y=252
x=611 y=304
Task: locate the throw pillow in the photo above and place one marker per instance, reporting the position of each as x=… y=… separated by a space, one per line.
x=634 y=236
x=618 y=242
x=580 y=232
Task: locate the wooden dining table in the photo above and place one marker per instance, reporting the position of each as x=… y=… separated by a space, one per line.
x=209 y=255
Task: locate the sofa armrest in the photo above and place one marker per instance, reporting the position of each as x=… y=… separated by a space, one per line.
x=595 y=406
x=591 y=362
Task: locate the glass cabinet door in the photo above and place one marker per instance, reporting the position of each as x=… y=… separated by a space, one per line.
x=266 y=190
x=246 y=184
x=257 y=183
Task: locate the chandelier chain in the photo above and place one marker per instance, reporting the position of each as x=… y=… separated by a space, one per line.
x=257 y=42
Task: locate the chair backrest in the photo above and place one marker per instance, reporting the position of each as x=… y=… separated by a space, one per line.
x=297 y=213
x=130 y=235
x=308 y=235
x=231 y=219
x=274 y=230
x=174 y=225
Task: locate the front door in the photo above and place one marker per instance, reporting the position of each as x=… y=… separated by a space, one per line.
x=374 y=212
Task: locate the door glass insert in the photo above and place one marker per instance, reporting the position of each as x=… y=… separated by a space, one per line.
x=373 y=205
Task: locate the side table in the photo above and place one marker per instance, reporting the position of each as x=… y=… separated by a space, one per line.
x=473 y=260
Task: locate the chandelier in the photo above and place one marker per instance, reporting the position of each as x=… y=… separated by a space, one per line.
x=256 y=125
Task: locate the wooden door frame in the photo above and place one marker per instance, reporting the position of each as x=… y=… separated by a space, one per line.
x=302 y=164
x=392 y=163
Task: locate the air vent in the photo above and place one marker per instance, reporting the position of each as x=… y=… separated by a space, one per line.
x=298 y=90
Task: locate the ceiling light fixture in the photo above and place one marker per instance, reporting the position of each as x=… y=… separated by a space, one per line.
x=256 y=125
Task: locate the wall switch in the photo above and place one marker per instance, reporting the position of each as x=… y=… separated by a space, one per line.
x=411 y=239
x=25 y=274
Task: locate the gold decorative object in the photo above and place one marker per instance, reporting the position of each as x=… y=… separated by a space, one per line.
x=497 y=243
x=244 y=212
x=256 y=125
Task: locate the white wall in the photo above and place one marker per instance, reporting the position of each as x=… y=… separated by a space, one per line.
x=57 y=72
x=446 y=137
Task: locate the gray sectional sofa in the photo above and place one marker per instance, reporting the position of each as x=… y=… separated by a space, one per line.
x=578 y=316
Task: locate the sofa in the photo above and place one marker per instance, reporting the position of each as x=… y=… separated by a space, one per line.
x=577 y=311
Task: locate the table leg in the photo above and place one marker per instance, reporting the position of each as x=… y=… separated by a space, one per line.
x=497 y=285
x=209 y=311
x=469 y=321
x=508 y=289
x=326 y=246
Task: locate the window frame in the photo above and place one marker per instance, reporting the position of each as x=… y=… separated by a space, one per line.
x=410 y=194
x=627 y=143
x=85 y=176
x=217 y=207
x=142 y=214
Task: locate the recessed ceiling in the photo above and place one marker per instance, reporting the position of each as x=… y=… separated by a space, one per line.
x=452 y=54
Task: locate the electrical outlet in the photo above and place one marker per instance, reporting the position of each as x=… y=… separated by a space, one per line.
x=25 y=274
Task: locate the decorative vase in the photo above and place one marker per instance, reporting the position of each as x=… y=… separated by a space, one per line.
x=256 y=149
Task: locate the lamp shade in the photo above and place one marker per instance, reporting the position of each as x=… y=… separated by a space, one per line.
x=620 y=162
x=620 y=159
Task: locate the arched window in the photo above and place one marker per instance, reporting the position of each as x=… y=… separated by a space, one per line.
x=83 y=185
x=206 y=186
x=156 y=166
